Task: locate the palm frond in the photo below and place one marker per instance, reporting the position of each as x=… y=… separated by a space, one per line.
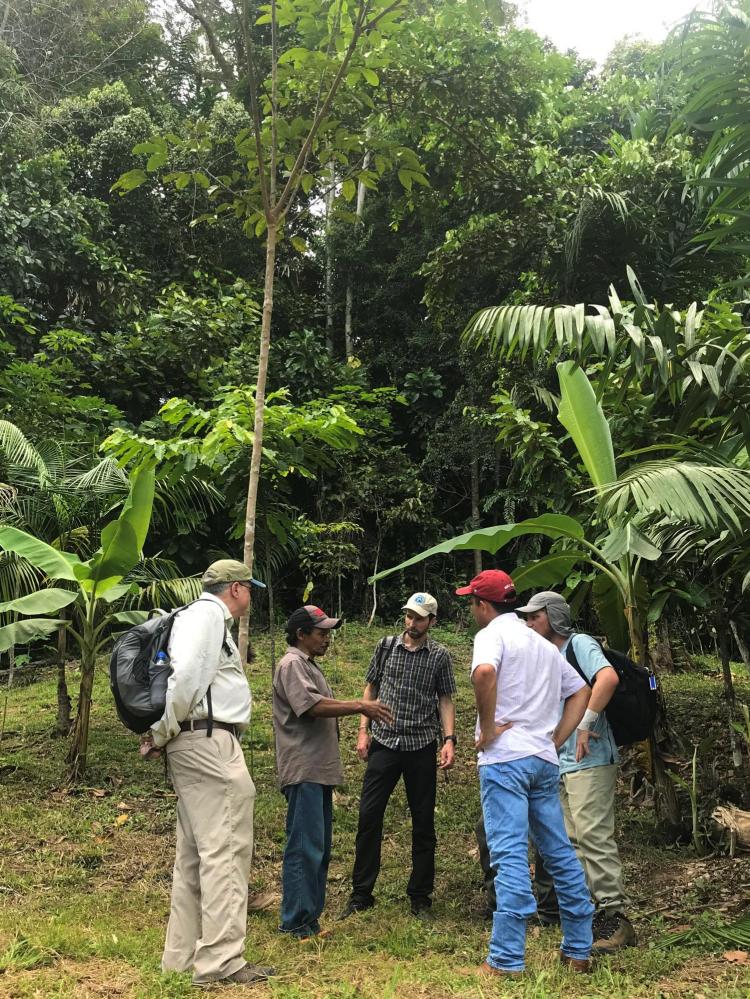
x=161 y=584
x=17 y=449
x=184 y=503
x=708 y=496
x=106 y=477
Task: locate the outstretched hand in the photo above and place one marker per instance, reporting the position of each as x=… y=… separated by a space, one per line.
x=377 y=711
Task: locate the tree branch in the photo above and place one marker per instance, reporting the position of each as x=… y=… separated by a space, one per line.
x=213 y=43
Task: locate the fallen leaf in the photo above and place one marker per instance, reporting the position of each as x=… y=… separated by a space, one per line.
x=121 y=820
x=736 y=956
x=679 y=929
x=123 y=806
x=97 y=792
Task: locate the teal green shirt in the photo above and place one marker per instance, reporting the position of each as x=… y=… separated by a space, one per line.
x=602 y=751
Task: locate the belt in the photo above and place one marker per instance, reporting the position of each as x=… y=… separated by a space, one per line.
x=192 y=726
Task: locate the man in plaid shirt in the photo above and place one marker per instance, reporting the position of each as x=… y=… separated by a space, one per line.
x=414 y=676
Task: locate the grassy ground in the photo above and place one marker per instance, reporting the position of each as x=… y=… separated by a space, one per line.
x=85 y=871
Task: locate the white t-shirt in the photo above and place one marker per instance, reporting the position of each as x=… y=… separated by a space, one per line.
x=532 y=679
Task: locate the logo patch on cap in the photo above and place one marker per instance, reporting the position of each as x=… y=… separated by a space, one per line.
x=419 y=599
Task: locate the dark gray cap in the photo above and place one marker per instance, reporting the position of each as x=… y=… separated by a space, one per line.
x=557 y=608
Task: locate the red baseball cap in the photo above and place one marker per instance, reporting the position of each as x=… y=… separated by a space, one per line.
x=490 y=584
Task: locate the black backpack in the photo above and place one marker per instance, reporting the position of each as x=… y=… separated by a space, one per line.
x=631 y=712
x=138 y=679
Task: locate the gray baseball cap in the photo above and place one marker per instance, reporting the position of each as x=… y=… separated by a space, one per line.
x=229 y=570
x=558 y=610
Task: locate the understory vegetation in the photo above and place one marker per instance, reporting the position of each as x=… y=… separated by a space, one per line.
x=86 y=870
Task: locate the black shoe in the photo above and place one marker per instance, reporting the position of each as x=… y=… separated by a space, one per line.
x=544 y=920
x=421 y=908
x=353 y=906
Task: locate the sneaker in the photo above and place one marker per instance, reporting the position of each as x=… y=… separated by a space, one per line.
x=421 y=908
x=353 y=906
x=612 y=932
x=247 y=975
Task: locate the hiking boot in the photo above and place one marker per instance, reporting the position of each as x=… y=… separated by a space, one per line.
x=486 y=970
x=353 y=906
x=612 y=932
x=247 y=975
x=577 y=965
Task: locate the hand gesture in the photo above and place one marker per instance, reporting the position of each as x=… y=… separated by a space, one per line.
x=582 y=743
x=377 y=711
x=485 y=738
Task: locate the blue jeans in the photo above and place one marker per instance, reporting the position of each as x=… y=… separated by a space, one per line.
x=521 y=798
x=309 y=820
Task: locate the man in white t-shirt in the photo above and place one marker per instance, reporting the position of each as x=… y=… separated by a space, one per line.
x=519 y=680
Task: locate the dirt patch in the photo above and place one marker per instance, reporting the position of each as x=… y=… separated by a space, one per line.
x=80 y=979
x=702 y=978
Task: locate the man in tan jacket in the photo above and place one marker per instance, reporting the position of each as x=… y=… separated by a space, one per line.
x=207 y=710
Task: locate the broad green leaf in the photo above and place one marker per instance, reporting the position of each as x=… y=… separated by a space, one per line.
x=348 y=189
x=626 y=539
x=42 y=602
x=119 y=554
x=492 y=539
x=371 y=76
x=112 y=593
x=129 y=181
x=28 y=630
x=582 y=417
x=546 y=572
x=56 y=564
x=131 y=617
x=139 y=504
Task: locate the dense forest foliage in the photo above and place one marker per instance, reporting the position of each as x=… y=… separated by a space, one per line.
x=465 y=164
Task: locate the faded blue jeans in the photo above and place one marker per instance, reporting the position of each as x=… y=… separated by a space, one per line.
x=521 y=798
x=306 y=857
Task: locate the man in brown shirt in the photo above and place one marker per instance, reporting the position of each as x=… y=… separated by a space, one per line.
x=309 y=764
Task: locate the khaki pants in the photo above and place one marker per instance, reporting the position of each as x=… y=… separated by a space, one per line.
x=588 y=800
x=215 y=799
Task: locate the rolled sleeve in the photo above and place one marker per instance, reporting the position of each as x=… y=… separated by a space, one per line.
x=446 y=681
x=298 y=686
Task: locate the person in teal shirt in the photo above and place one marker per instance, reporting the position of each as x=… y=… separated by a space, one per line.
x=588 y=772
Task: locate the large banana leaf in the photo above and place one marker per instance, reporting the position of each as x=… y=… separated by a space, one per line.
x=138 y=506
x=492 y=539
x=42 y=602
x=611 y=612
x=120 y=552
x=581 y=415
x=131 y=617
x=28 y=630
x=549 y=571
x=56 y=564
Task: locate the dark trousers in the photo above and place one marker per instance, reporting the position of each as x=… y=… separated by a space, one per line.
x=384 y=768
x=544 y=889
x=307 y=855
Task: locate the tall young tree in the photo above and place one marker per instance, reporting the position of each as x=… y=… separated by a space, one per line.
x=304 y=72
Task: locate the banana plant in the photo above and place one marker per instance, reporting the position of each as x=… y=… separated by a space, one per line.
x=89 y=588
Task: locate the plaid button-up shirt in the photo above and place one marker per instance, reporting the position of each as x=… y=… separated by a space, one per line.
x=410 y=683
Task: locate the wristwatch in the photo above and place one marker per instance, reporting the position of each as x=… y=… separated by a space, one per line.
x=450 y=738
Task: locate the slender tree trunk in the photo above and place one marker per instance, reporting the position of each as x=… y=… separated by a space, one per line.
x=78 y=751
x=260 y=399
x=666 y=803
x=330 y=197
x=663 y=659
x=475 y=515
x=271 y=606
x=63 y=723
x=375 y=585
x=741 y=645
x=725 y=658
x=348 y=339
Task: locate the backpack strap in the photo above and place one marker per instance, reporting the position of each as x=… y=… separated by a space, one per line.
x=385 y=651
x=570 y=655
x=226 y=647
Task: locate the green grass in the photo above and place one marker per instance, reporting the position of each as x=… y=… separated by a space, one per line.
x=85 y=871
